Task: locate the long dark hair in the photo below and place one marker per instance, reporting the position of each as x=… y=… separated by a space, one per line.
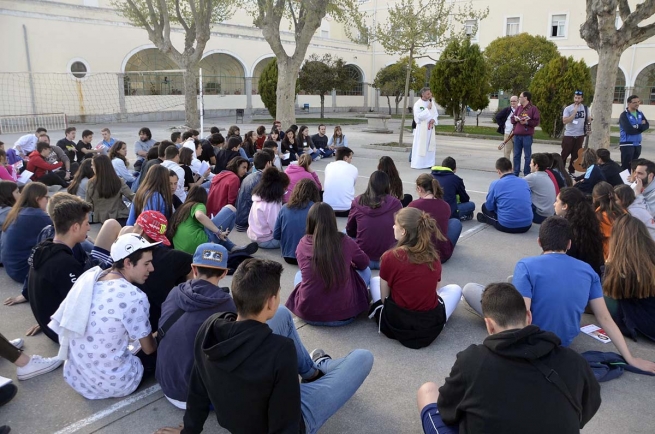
x=29 y=198
x=7 y=189
x=304 y=192
x=248 y=144
x=377 y=190
x=387 y=166
x=113 y=152
x=197 y=194
x=605 y=202
x=558 y=164
x=106 y=180
x=585 y=228
x=186 y=156
x=84 y=171
x=327 y=256
x=272 y=186
x=156 y=181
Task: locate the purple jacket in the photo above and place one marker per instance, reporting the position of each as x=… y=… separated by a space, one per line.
x=532 y=112
x=373 y=228
x=312 y=302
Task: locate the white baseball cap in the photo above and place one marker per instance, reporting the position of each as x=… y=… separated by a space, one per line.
x=127 y=244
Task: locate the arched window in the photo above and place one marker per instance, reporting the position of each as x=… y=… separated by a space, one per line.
x=222 y=74
x=619 y=86
x=645 y=85
x=257 y=72
x=145 y=74
x=356 y=74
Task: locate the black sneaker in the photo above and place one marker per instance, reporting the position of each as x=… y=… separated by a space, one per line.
x=318 y=356
x=249 y=249
x=481 y=218
x=7 y=393
x=4 y=429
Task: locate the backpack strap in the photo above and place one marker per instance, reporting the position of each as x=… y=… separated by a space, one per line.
x=163 y=329
x=553 y=377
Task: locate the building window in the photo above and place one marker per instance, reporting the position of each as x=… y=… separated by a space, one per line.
x=619 y=94
x=78 y=68
x=356 y=75
x=325 y=29
x=558 y=26
x=512 y=26
x=471 y=29
x=651 y=99
x=493 y=95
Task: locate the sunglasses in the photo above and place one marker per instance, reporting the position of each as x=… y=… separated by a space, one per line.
x=578 y=92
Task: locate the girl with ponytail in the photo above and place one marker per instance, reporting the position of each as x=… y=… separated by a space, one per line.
x=431 y=201
x=607 y=210
x=415 y=311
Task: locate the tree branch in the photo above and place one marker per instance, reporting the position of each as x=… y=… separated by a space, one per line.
x=142 y=19
x=293 y=15
x=179 y=16
x=643 y=33
x=624 y=10
x=643 y=11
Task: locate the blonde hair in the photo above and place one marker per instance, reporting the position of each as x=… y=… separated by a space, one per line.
x=417 y=240
x=305 y=161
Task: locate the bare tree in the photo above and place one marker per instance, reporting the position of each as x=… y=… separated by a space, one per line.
x=305 y=18
x=194 y=17
x=601 y=34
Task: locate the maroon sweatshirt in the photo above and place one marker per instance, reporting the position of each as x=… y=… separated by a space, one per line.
x=373 y=228
x=530 y=111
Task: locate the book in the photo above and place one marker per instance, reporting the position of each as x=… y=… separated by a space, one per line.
x=25 y=177
x=596 y=332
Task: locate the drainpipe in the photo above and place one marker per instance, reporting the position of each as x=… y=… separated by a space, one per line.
x=29 y=69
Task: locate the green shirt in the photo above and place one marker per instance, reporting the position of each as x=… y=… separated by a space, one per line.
x=191 y=233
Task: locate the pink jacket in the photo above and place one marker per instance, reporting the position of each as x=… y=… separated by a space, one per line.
x=295 y=174
x=262 y=218
x=6 y=173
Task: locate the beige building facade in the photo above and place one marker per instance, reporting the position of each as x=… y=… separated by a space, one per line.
x=82 y=59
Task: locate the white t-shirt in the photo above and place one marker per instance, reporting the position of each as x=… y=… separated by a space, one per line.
x=99 y=364
x=575 y=128
x=339 y=186
x=508 y=123
x=179 y=191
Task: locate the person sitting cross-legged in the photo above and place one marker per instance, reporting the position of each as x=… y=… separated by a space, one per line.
x=551 y=388
x=542 y=189
x=243 y=364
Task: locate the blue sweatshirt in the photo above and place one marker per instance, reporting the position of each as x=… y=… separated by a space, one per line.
x=155 y=203
x=510 y=198
x=631 y=128
x=290 y=227
x=19 y=239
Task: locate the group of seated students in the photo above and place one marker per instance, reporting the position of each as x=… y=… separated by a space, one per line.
x=157 y=265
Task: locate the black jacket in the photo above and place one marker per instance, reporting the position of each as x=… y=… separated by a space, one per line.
x=223 y=157
x=53 y=272
x=611 y=171
x=411 y=328
x=249 y=374
x=586 y=185
x=501 y=118
x=493 y=387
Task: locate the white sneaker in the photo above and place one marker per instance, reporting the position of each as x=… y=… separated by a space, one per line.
x=18 y=343
x=37 y=365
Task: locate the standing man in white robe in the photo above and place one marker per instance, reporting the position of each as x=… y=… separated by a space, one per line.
x=425 y=117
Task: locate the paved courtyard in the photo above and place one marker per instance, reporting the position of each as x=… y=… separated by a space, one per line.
x=386 y=402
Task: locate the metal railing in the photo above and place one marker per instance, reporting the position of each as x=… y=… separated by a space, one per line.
x=29 y=123
x=139 y=83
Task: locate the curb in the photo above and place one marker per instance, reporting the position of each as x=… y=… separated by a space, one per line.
x=388 y=148
x=499 y=139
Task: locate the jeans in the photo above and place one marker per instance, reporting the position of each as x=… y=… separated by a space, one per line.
x=320 y=399
x=536 y=217
x=282 y=324
x=454 y=230
x=374 y=265
x=270 y=244
x=242 y=152
x=224 y=221
x=522 y=143
x=326 y=152
x=465 y=209
x=629 y=153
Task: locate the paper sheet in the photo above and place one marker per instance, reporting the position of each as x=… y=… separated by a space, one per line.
x=596 y=332
x=24 y=177
x=624 y=176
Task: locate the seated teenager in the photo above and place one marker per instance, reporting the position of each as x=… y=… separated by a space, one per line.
x=629 y=283
x=191 y=179
x=592 y=176
x=431 y=201
x=21 y=229
x=224 y=188
x=40 y=167
x=261 y=161
x=542 y=190
x=454 y=190
x=331 y=285
x=338 y=139
x=506 y=367
x=320 y=140
x=291 y=222
x=9 y=194
x=124 y=318
x=387 y=166
x=415 y=311
x=289 y=149
x=305 y=141
x=370 y=221
x=190 y=226
x=508 y=207
x=7 y=172
x=118 y=157
x=558 y=169
x=248 y=147
x=154 y=194
x=607 y=211
x=625 y=197
x=301 y=170
x=80 y=182
x=234 y=369
x=609 y=167
x=227 y=154
x=267 y=199
x=56 y=263
x=557 y=299
x=548 y=160
x=340 y=179
x=273 y=147
x=85 y=148
x=586 y=238
x=106 y=192
x=26 y=366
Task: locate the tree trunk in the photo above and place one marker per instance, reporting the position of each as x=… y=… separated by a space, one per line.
x=608 y=64
x=389 y=103
x=410 y=62
x=192 y=118
x=397 y=103
x=322 y=106
x=286 y=90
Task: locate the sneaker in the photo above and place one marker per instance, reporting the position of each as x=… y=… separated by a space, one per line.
x=7 y=393
x=4 y=429
x=38 y=365
x=249 y=249
x=466 y=217
x=319 y=356
x=481 y=218
x=18 y=343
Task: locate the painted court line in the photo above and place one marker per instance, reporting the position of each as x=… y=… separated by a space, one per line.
x=109 y=410
x=474 y=230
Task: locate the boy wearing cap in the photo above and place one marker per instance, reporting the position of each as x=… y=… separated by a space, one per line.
x=101 y=314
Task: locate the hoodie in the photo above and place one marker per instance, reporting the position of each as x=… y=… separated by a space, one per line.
x=224 y=156
x=494 y=388
x=223 y=191
x=19 y=239
x=296 y=173
x=372 y=228
x=249 y=375
x=39 y=166
x=262 y=218
x=244 y=199
x=452 y=186
x=199 y=299
x=53 y=272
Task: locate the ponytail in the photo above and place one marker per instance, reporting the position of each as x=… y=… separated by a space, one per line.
x=420 y=232
x=429 y=184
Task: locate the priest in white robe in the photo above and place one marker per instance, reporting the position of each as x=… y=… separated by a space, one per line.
x=426 y=117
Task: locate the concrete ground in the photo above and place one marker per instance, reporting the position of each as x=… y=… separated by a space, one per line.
x=386 y=403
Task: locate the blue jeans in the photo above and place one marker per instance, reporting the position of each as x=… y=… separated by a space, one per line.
x=454 y=230
x=242 y=152
x=522 y=143
x=224 y=221
x=374 y=265
x=270 y=244
x=282 y=324
x=465 y=209
x=326 y=152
